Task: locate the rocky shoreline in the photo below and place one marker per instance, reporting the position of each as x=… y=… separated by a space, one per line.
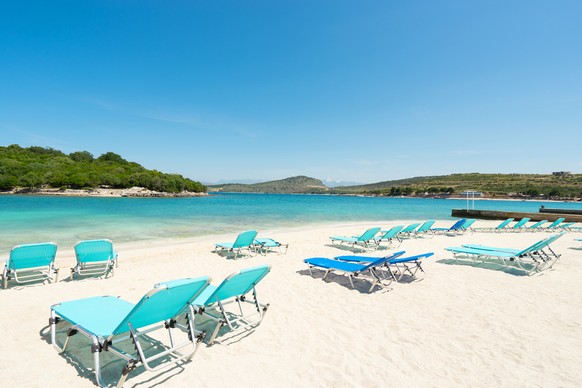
x=139 y=192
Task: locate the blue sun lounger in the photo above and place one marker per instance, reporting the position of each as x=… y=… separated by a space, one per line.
x=94 y=257
x=351 y=269
x=244 y=241
x=31 y=263
x=234 y=289
x=365 y=240
x=108 y=321
x=397 y=265
x=453 y=227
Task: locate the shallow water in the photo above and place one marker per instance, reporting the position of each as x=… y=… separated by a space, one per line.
x=65 y=220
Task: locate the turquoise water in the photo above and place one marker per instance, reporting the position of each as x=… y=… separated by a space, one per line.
x=65 y=220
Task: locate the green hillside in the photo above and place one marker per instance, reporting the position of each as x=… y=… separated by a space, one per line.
x=38 y=167
x=297 y=184
x=492 y=185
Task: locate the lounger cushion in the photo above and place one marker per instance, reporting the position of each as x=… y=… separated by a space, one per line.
x=99 y=315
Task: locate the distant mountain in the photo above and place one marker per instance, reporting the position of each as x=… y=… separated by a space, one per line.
x=556 y=185
x=297 y=184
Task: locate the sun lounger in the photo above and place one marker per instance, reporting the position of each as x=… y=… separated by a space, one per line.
x=351 y=269
x=466 y=226
x=424 y=229
x=266 y=244
x=390 y=235
x=397 y=266
x=108 y=321
x=499 y=228
x=31 y=263
x=520 y=225
x=569 y=226
x=365 y=240
x=244 y=241
x=535 y=252
x=453 y=227
x=554 y=225
x=537 y=226
x=213 y=301
x=408 y=231
x=94 y=257
x=538 y=249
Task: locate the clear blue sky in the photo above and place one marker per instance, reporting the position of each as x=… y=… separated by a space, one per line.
x=360 y=91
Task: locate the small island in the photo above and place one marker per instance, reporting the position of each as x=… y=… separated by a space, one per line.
x=46 y=171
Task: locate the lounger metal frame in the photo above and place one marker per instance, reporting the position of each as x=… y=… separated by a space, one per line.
x=94 y=268
x=34 y=273
x=183 y=351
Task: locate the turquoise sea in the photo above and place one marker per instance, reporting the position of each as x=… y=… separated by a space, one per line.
x=65 y=220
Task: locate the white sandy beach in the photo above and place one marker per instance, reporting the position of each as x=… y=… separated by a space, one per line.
x=458 y=325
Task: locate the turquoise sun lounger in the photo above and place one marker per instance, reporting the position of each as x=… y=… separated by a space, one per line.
x=424 y=229
x=408 y=231
x=108 y=321
x=535 y=252
x=31 y=263
x=520 y=225
x=499 y=228
x=351 y=269
x=244 y=241
x=94 y=258
x=390 y=235
x=537 y=226
x=365 y=240
x=213 y=301
x=264 y=245
x=555 y=225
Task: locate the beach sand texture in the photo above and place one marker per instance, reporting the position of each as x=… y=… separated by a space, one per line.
x=459 y=326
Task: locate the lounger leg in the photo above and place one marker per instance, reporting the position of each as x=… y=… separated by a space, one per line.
x=351 y=282
x=5 y=277
x=96 y=348
x=215 y=333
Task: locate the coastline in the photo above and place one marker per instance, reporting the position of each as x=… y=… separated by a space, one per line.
x=450 y=321
x=139 y=192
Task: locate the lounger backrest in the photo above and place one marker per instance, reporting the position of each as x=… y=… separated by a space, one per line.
x=538 y=224
x=32 y=255
x=410 y=227
x=540 y=244
x=164 y=302
x=239 y=283
x=392 y=232
x=520 y=223
x=556 y=223
x=245 y=239
x=504 y=223
x=90 y=251
x=425 y=226
x=458 y=224
x=467 y=224
x=411 y=258
x=369 y=234
x=382 y=260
